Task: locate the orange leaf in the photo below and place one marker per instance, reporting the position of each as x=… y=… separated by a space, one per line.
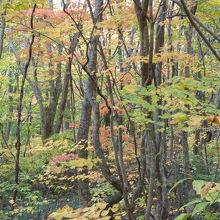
x=73 y=125
x=213 y=120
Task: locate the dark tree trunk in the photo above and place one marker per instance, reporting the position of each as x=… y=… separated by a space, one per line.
x=20 y=106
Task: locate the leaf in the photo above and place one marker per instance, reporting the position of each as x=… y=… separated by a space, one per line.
x=210 y=216
x=206 y=188
x=130 y=88
x=213 y=196
x=12 y=202
x=200 y=207
x=179 y=117
x=177 y=183
x=106 y=218
x=183 y=216
x=73 y=125
x=197 y=185
x=59 y=214
x=101 y=205
x=95 y=215
x=213 y=119
x=104 y=213
x=192 y=202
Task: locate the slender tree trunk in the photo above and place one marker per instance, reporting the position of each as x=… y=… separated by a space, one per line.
x=66 y=82
x=82 y=140
x=20 y=105
x=2 y=33
x=217 y=99
x=185 y=141
x=61 y=108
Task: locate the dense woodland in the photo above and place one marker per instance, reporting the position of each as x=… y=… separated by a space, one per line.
x=109 y=109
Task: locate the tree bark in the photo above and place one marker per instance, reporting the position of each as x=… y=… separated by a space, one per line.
x=2 y=33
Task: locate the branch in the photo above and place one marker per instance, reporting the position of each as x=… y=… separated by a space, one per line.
x=41 y=34
x=198 y=21
x=205 y=27
x=188 y=14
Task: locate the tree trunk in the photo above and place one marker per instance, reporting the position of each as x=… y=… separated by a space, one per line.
x=2 y=33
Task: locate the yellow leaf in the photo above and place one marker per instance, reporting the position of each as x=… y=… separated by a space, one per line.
x=61 y=213
x=130 y=88
x=178 y=119
x=11 y=201
x=101 y=205
x=106 y=218
x=95 y=215
x=105 y=212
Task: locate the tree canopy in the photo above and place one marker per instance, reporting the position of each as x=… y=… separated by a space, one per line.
x=109 y=109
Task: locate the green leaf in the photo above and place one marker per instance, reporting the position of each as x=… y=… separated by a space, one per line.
x=197 y=185
x=192 y=202
x=210 y=216
x=183 y=216
x=213 y=197
x=177 y=183
x=200 y=207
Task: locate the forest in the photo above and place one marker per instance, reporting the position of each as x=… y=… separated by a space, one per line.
x=109 y=109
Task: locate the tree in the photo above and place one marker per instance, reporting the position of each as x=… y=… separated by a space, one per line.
x=120 y=115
